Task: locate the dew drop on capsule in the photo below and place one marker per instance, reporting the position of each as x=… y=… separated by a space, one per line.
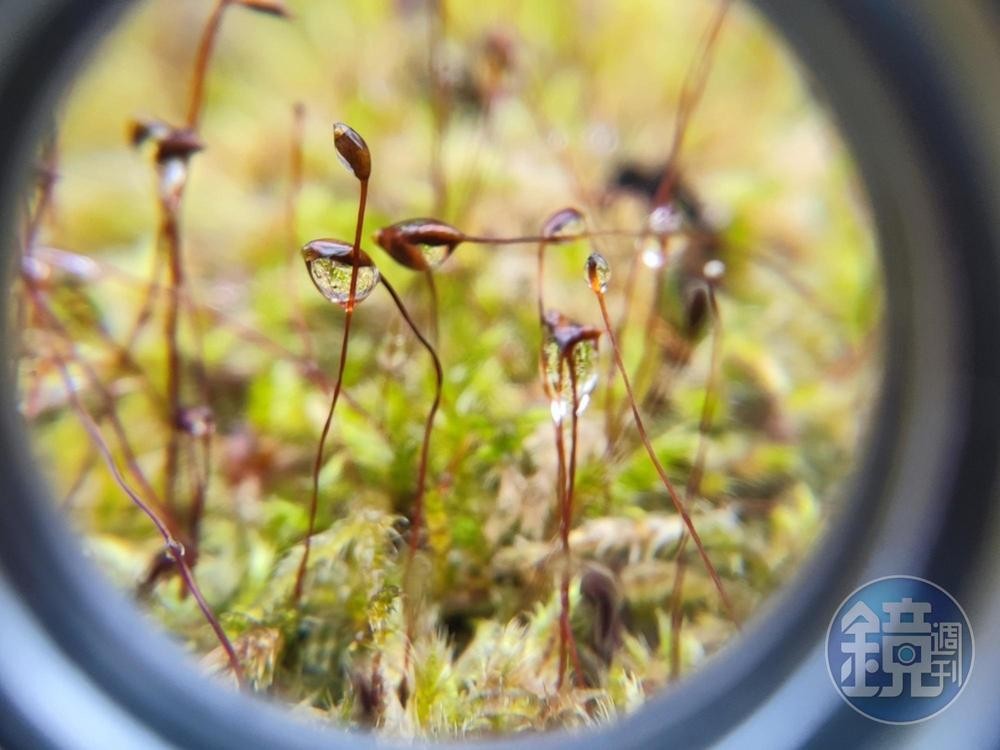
x=173 y=177
x=568 y=345
x=565 y=223
x=37 y=270
x=653 y=256
x=664 y=220
x=713 y=271
x=598 y=272
x=553 y=376
x=584 y=360
x=196 y=421
x=419 y=244
x=177 y=548
x=330 y=267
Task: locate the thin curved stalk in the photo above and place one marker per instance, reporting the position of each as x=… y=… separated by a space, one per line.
x=565 y=479
x=692 y=90
x=318 y=462
x=674 y=497
x=417 y=513
x=610 y=422
x=174 y=548
x=613 y=417
x=567 y=644
x=338 y=384
x=206 y=46
x=418 y=502
x=107 y=399
x=527 y=239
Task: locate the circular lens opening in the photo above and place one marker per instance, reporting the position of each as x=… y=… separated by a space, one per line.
x=555 y=199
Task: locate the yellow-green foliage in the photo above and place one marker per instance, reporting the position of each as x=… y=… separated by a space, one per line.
x=592 y=85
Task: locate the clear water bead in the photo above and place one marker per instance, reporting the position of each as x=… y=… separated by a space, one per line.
x=664 y=220
x=173 y=177
x=435 y=255
x=196 y=421
x=330 y=267
x=566 y=223
x=420 y=244
x=598 y=272
x=653 y=256
x=568 y=345
x=714 y=270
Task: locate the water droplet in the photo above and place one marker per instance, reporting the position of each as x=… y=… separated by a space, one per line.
x=665 y=220
x=598 y=272
x=653 y=256
x=352 y=150
x=330 y=267
x=36 y=270
x=419 y=244
x=713 y=271
x=173 y=176
x=564 y=224
x=176 y=548
x=196 y=421
x=568 y=344
x=76 y=265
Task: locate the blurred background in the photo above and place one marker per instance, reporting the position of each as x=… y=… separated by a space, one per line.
x=490 y=116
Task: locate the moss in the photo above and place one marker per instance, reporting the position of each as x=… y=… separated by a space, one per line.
x=460 y=638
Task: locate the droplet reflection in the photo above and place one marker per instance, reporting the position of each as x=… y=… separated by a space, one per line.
x=330 y=267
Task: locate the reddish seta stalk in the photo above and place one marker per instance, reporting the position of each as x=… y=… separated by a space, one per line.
x=173 y=548
x=567 y=643
x=691 y=92
x=597 y=284
x=417 y=520
x=361 y=166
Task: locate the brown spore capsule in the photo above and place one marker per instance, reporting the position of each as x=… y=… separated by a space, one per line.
x=353 y=150
x=178 y=143
x=420 y=244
